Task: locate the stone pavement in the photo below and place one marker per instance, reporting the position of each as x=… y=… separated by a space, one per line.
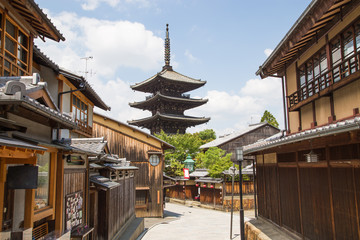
x=191 y=222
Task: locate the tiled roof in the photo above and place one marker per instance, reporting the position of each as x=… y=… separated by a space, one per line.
x=11 y=142
x=339 y=127
x=222 y=140
x=172 y=76
x=209 y=180
x=199 y=173
x=18 y=96
x=88 y=91
x=170 y=117
x=95 y=145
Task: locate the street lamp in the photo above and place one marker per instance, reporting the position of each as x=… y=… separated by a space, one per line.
x=189 y=163
x=240 y=158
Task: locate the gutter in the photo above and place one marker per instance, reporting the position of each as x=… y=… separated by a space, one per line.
x=310 y=134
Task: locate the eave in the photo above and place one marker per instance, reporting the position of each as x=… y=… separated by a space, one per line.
x=154 y=100
x=37 y=19
x=171 y=118
x=314 y=22
x=171 y=78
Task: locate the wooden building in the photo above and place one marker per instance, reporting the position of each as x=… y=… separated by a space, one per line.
x=308 y=181
x=251 y=134
x=167 y=101
x=143 y=151
x=111 y=193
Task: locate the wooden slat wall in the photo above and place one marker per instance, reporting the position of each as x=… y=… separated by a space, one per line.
x=343 y=197
x=207 y=196
x=290 y=214
x=147 y=176
x=248 y=188
x=316 y=200
x=119 y=208
x=315 y=203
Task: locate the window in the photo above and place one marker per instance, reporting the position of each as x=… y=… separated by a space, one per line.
x=42 y=192
x=80 y=111
x=154 y=159
x=16 y=57
x=311 y=74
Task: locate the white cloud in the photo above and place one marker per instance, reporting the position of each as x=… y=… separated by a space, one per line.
x=113 y=44
x=190 y=56
x=90 y=5
x=268 y=51
x=233 y=112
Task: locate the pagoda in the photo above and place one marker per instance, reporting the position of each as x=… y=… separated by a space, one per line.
x=168 y=100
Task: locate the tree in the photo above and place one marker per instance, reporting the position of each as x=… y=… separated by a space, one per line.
x=207 y=135
x=215 y=160
x=268 y=117
x=185 y=144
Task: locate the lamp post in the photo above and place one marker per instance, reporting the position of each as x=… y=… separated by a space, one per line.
x=232 y=171
x=240 y=158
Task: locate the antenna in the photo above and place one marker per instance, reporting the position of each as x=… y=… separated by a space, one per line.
x=86 y=60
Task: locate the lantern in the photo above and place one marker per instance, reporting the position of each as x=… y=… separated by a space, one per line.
x=204 y=186
x=189 y=163
x=211 y=186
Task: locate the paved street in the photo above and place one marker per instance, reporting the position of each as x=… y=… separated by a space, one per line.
x=186 y=222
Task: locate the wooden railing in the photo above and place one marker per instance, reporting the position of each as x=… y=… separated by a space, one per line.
x=340 y=71
x=10 y=68
x=83 y=127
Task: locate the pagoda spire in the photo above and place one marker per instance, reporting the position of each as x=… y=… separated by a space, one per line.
x=167 y=50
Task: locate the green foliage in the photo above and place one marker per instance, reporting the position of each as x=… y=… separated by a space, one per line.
x=174 y=168
x=185 y=144
x=215 y=160
x=268 y=117
x=207 y=135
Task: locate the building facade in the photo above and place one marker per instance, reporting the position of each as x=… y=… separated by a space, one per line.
x=308 y=181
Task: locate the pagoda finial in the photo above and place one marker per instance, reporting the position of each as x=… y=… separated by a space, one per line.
x=167 y=50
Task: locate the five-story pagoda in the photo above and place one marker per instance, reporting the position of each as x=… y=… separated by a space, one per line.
x=168 y=101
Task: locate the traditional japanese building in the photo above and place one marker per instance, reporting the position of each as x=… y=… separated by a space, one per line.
x=167 y=101
x=308 y=181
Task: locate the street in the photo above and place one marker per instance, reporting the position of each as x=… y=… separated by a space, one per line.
x=187 y=222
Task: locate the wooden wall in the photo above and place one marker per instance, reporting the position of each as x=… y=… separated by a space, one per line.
x=148 y=178
x=75 y=180
x=248 y=138
x=116 y=207
x=210 y=196
x=315 y=200
x=179 y=190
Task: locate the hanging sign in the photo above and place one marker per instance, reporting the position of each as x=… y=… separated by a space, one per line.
x=186 y=173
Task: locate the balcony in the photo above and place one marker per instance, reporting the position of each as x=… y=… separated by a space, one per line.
x=341 y=74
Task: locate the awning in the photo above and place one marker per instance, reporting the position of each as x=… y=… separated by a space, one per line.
x=11 y=142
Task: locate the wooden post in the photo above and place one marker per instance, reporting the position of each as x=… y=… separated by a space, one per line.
x=59 y=211
x=29 y=204
x=299 y=191
x=2 y=188
x=327 y=154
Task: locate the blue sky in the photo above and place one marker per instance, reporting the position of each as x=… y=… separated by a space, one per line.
x=221 y=42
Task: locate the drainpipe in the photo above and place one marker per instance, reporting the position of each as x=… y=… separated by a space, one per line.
x=82 y=87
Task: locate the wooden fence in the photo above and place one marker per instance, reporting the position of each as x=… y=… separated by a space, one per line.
x=247 y=188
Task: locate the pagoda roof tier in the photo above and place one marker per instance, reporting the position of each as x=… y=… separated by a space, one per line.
x=152 y=101
x=185 y=120
x=168 y=77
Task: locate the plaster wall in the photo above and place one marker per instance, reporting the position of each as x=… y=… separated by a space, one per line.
x=19 y=212
x=323 y=111
x=66 y=98
x=346 y=99
x=48 y=75
x=294 y=122
x=35 y=130
x=291 y=84
x=306 y=116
